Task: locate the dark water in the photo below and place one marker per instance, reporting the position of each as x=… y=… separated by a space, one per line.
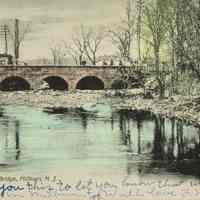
x=98 y=141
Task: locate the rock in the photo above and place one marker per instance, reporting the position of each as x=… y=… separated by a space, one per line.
x=148 y=95
x=44 y=86
x=110 y=93
x=151 y=84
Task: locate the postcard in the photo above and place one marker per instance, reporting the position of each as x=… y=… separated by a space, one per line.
x=99 y=99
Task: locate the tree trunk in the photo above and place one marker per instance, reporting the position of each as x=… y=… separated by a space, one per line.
x=16 y=42
x=157 y=60
x=159 y=77
x=139 y=30
x=173 y=61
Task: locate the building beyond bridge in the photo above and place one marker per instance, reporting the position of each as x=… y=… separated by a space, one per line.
x=60 y=77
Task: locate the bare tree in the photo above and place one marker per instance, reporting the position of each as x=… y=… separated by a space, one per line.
x=190 y=43
x=140 y=10
x=86 y=44
x=156 y=13
x=171 y=31
x=122 y=35
x=58 y=54
x=18 y=33
x=185 y=41
x=180 y=27
x=75 y=52
x=176 y=38
x=76 y=47
x=93 y=39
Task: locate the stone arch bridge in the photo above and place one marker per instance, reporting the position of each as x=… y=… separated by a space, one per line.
x=59 y=77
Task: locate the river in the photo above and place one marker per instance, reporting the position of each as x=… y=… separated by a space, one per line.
x=96 y=141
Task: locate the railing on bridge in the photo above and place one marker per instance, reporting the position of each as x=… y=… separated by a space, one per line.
x=145 y=68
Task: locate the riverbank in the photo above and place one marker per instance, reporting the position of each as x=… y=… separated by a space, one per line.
x=78 y=98
x=181 y=107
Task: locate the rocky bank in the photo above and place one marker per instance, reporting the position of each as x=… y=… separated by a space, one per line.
x=182 y=107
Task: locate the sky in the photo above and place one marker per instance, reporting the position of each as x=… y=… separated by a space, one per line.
x=55 y=20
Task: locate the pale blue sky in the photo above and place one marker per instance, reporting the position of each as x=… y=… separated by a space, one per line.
x=54 y=20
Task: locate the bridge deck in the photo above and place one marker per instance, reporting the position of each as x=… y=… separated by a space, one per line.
x=62 y=66
x=136 y=68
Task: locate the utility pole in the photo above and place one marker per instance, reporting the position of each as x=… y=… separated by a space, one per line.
x=16 y=41
x=6 y=38
x=4 y=34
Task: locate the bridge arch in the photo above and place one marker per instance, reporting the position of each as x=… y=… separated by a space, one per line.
x=119 y=84
x=14 y=83
x=56 y=83
x=90 y=83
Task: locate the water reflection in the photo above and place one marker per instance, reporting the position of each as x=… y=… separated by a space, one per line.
x=17 y=127
x=84 y=116
x=10 y=140
x=175 y=146
x=159 y=140
x=135 y=142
